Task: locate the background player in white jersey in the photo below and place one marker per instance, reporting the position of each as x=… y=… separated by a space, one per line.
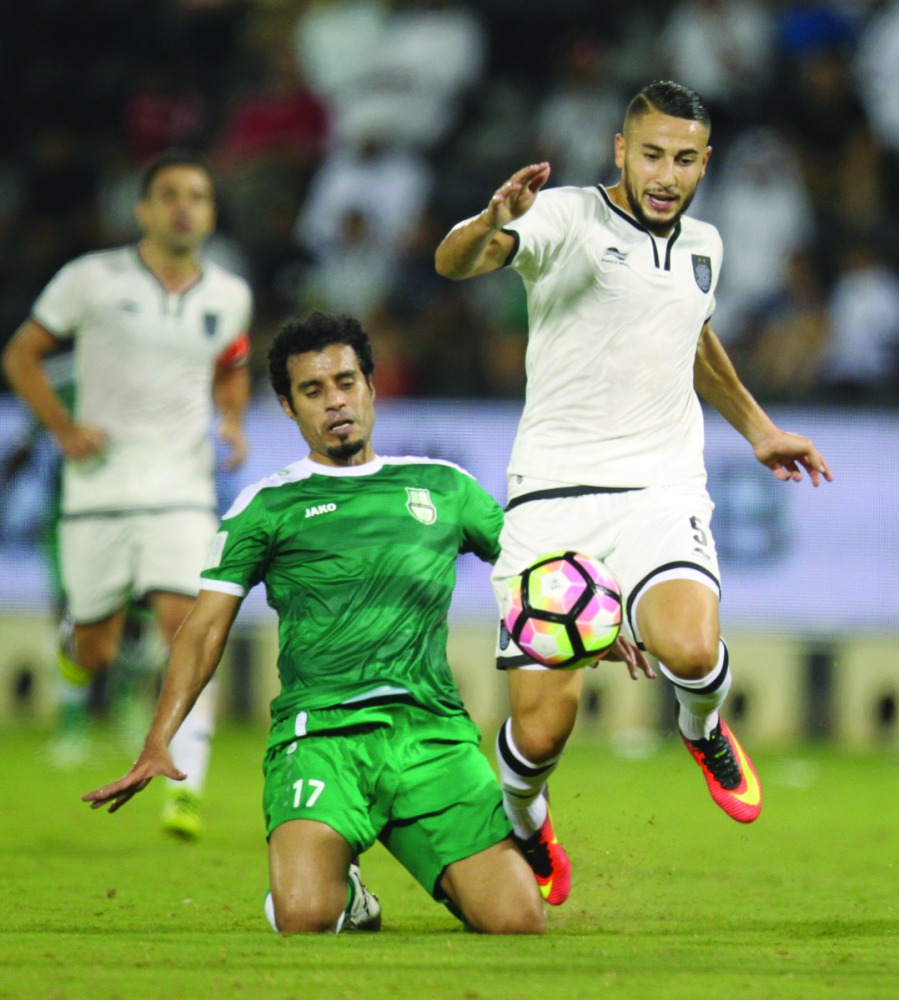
x=159 y=338
x=608 y=457
x=369 y=738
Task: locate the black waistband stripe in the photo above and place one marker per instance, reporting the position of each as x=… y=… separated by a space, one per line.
x=559 y=492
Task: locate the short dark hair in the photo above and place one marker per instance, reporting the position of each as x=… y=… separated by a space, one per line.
x=315 y=332
x=170 y=158
x=669 y=98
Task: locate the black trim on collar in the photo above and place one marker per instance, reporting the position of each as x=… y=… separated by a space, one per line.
x=639 y=225
x=160 y=288
x=179 y=308
x=671 y=241
x=620 y=211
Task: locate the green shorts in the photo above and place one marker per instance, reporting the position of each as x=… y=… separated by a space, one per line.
x=415 y=781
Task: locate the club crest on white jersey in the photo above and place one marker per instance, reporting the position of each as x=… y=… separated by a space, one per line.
x=702 y=271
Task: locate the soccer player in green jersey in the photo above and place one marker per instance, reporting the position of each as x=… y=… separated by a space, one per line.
x=369 y=739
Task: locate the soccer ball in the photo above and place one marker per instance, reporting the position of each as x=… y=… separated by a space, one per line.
x=564 y=610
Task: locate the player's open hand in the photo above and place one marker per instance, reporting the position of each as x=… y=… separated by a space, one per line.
x=515 y=197
x=786 y=454
x=632 y=657
x=148 y=766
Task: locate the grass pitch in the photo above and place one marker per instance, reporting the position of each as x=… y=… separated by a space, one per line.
x=671 y=899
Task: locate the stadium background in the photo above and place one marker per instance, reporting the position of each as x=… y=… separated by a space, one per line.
x=347 y=137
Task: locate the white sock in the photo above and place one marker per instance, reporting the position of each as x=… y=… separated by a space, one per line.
x=523 y=783
x=699 y=700
x=192 y=744
x=269 y=908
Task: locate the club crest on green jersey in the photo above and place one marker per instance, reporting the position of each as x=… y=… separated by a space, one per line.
x=420 y=506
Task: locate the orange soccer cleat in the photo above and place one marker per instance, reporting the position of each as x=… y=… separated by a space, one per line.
x=549 y=862
x=729 y=773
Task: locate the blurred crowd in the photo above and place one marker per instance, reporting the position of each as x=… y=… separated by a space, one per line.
x=348 y=135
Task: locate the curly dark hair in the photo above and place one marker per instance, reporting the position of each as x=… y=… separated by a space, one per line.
x=669 y=98
x=315 y=332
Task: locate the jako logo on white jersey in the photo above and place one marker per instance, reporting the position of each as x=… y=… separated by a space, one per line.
x=322 y=508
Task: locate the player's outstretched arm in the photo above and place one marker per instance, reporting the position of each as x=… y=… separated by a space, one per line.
x=785 y=453
x=153 y=762
x=23 y=364
x=478 y=245
x=195 y=655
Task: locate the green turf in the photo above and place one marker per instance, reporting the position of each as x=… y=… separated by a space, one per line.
x=671 y=900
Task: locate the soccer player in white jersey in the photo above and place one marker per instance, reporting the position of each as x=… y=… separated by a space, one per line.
x=159 y=339
x=609 y=454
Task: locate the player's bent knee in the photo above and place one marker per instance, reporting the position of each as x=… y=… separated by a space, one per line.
x=542 y=735
x=538 y=741
x=512 y=923
x=692 y=660
x=497 y=892
x=529 y=920
x=306 y=916
x=304 y=923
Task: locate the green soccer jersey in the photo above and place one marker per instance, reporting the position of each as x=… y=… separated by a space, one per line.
x=360 y=564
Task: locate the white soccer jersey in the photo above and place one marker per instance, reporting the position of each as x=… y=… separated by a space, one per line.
x=615 y=315
x=144 y=362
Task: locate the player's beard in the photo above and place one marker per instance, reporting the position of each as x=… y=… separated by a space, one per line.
x=656 y=228
x=182 y=246
x=341 y=452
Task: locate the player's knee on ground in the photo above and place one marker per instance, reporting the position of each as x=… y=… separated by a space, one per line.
x=496 y=891
x=691 y=657
x=526 y=917
x=309 y=914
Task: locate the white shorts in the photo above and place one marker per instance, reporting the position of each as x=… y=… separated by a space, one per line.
x=107 y=559
x=643 y=536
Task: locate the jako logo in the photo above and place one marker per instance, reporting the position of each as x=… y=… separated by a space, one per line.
x=322 y=508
